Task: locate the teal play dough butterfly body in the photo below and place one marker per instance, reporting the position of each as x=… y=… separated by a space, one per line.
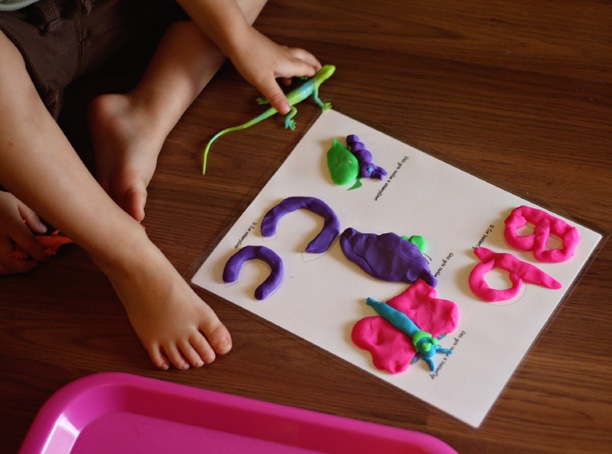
x=407 y=328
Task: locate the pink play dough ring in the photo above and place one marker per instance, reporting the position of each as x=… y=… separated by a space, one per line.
x=544 y=226
x=518 y=270
x=479 y=285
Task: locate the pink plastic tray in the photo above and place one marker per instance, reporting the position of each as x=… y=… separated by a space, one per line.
x=120 y=413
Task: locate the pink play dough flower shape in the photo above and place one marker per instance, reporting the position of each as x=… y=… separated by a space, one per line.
x=543 y=226
x=518 y=270
x=391 y=349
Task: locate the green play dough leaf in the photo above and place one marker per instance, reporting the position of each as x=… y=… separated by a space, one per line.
x=343 y=165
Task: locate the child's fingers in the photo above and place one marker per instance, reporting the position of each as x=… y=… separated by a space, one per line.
x=26 y=242
x=295 y=67
x=306 y=57
x=13 y=265
x=20 y=266
x=31 y=219
x=273 y=93
x=271 y=90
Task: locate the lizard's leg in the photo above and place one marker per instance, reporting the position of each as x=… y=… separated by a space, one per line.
x=289 y=121
x=317 y=100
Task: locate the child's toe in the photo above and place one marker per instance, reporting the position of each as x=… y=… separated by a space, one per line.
x=176 y=358
x=192 y=355
x=203 y=349
x=220 y=340
x=159 y=359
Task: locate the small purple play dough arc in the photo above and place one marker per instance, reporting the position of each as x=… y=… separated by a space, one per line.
x=388 y=257
x=324 y=239
x=267 y=287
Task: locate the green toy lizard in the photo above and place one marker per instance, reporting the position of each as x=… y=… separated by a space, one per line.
x=308 y=88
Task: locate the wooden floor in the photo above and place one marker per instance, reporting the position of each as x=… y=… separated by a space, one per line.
x=519 y=91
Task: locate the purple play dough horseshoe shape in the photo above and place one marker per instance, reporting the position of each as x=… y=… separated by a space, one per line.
x=267 y=287
x=388 y=257
x=324 y=239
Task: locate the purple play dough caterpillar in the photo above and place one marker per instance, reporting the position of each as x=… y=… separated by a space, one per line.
x=324 y=239
x=388 y=257
x=234 y=265
x=367 y=168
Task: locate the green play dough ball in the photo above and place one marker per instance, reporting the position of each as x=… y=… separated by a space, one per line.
x=418 y=240
x=343 y=165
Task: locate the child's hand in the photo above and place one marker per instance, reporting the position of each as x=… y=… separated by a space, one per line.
x=18 y=223
x=261 y=62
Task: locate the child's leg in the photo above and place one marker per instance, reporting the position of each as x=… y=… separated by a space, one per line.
x=129 y=130
x=39 y=166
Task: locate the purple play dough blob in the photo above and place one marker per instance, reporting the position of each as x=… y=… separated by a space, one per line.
x=388 y=257
x=234 y=265
x=367 y=168
x=324 y=239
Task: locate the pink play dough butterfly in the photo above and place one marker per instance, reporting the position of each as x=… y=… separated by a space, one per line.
x=429 y=318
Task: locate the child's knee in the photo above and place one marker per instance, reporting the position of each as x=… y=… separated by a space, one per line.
x=11 y=57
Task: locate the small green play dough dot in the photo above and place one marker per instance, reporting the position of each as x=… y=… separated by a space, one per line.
x=418 y=241
x=343 y=165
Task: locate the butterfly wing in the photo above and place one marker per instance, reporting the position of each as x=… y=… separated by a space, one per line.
x=435 y=315
x=391 y=349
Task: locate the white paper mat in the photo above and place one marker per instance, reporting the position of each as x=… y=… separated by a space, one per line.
x=323 y=295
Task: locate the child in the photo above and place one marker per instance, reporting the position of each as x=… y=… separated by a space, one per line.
x=44 y=176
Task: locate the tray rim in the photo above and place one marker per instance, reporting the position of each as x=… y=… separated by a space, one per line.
x=61 y=411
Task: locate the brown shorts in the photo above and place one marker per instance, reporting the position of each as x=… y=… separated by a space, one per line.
x=61 y=40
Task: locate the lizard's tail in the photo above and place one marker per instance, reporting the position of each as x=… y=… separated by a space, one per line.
x=268 y=113
x=210 y=142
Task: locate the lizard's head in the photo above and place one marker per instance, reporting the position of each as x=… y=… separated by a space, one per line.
x=326 y=72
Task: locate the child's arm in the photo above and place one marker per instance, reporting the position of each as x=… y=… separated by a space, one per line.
x=18 y=223
x=258 y=59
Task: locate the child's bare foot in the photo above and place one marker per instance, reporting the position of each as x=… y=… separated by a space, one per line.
x=175 y=326
x=127 y=143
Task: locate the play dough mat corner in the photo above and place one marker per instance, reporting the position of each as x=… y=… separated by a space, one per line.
x=321 y=296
